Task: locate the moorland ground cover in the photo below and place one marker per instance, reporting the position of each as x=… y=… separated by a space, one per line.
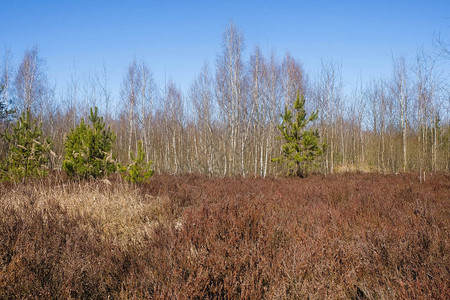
x=355 y=236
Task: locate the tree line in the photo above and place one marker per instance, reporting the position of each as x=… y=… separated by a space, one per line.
x=227 y=122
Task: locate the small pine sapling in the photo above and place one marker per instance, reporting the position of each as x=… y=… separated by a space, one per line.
x=302 y=147
x=88 y=149
x=139 y=170
x=28 y=152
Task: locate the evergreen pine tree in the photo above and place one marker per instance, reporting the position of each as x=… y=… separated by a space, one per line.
x=138 y=171
x=302 y=146
x=28 y=151
x=88 y=149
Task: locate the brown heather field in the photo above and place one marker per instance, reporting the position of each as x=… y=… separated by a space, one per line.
x=347 y=236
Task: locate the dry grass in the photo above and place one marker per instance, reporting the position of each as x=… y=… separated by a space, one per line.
x=348 y=236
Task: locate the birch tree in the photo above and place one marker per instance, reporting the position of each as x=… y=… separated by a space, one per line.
x=147 y=98
x=5 y=80
x=230 y=93
x=173 y=113
x=328 y=96
x=400 y=92
x=201 y=95
x=31 y=81
x=130 y=93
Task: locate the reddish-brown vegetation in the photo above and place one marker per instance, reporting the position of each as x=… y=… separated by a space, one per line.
x=355 y=236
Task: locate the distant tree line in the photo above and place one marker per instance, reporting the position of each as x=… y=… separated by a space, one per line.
x=227 y=123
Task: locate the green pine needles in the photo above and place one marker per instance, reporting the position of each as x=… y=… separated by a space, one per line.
x=88 y=149
x=138 y=171
x=302 y=146
x=28 y=151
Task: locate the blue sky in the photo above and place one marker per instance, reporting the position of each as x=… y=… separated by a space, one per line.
x=175 y=38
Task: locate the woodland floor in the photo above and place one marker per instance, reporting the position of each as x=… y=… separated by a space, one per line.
x=346 y=236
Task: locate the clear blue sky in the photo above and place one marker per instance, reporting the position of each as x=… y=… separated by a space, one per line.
x=176 y=37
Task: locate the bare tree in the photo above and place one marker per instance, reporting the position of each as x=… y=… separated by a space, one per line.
x=292 y=79
x=5 y=78
x=31 y=81
x=358 y=107
x=423 y=70
x=230 y=89
x=274 y=102
x=400 y=90
x=201 y=95
x=102 y=80
x=375 y=95
x=442 y=46
x=173 y=113
x=130 y=93
x=91 y=96
x=260 y=114
x=5 y=98
x=147 y=97
x=329 y=99
x=72 y=100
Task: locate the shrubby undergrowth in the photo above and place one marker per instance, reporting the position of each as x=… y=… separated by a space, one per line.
x=349 y=236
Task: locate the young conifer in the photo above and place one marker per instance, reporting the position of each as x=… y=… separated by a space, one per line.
x=88 y=149
x=28 y=151
x=138 y=171
x=302 y=146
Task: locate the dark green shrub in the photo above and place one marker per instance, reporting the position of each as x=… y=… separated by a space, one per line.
x=88 y=149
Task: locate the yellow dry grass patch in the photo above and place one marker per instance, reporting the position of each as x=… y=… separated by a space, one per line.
x=352 y=168
x=123 y=214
